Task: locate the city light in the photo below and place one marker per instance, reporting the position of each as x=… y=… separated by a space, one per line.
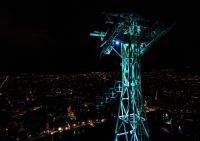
x=103 y=120
x=59 y=129
x=174 y=120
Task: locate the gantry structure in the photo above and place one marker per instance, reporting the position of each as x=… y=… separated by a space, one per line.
x=133 y=35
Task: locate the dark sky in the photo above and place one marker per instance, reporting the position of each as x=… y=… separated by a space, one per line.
x=54 y=36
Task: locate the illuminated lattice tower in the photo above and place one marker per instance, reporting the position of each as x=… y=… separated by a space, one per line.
x=130 y=32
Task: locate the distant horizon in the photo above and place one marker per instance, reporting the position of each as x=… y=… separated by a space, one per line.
x=187 y=69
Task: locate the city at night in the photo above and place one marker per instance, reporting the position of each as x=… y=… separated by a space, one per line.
x=116 y=70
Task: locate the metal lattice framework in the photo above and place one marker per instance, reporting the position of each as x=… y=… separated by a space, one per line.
x=135 y=38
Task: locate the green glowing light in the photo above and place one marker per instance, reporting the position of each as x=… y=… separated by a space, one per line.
x=131 y=121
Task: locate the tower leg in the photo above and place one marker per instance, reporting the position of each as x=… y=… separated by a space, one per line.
x=131 y=121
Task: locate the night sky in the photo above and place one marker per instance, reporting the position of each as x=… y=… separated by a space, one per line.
x=53 y=37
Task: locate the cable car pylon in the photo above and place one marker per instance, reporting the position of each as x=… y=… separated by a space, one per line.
x=131 y=33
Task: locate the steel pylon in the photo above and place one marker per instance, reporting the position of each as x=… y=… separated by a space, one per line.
x=135 y=39
x=131 y=122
